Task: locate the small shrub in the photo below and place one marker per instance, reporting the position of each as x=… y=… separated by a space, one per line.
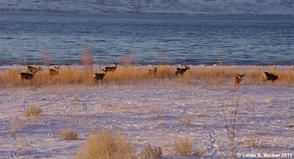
x=201 y=114
x=229 y=111
x=151 y=152
x=199 y=153
x=252 y=142
x=185 y=121
x=183 y=147
x=106 y=145
x=68 y=134
x=32 y=111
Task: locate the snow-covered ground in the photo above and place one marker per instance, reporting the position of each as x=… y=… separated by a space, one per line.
x=147 y=112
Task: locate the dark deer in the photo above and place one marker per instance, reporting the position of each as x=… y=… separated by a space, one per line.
x=26 y=75
x=181 y=71
x=270 y=76
x=33 y=69
x=98 y=76
x=238 y=79
x=54 y=71
x=152 y=71
x=110 y=68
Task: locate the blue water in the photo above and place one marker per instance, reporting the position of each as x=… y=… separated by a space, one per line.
x=171 y=39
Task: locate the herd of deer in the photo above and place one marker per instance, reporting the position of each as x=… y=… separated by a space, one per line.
x=31 y=71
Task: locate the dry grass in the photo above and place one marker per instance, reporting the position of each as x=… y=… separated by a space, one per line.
x=106 y=145
x=87 y=58
x=68 y=134
x=219 y=75
x=151 y=152
x=252 y=142
x=199 y=154
x=17 y=125
x=229 y=111
x=183 y=147
x=230 y=115
x=47 y=58
x=201 y=114
x=32 y=111
x=185 y=120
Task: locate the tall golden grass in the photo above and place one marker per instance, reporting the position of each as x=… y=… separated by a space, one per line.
x=218 y=75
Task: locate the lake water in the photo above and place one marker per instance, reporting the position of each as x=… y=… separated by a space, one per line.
x=171 y=39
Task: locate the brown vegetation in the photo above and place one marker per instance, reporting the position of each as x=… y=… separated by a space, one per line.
x=183 y=147
x=106 y=145
x=185 y=120
x=68 y=134
x=151 y=152
x=32 y=111
x=218 y=75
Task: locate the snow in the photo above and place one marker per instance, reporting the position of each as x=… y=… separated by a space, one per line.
x=155 y=6
x=146 y=112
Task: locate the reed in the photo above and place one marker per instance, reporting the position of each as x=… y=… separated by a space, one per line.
x=219 y=75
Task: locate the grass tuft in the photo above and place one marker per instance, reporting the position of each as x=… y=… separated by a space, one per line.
x=32 y=111
x=185 y=120
x=151 y=152
x=106 y=145
x=183 y=147
x=68 y=134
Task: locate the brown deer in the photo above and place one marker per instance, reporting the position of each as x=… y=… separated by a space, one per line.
x=238 y=79
x=110 y=68
x=26 y=75
x=33 y=69
x=54 y=71
x=152 y=71
x=270 y=76
x=181 y=71
x=98 y=76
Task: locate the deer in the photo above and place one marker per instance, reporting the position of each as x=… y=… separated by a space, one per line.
x=33 y=69
x=181 y=71
x=152 y=71
x=270 y=76
x=98 y=76
x=238 y=79
x=54 y=71
x=110 y=68
x=26 y=75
